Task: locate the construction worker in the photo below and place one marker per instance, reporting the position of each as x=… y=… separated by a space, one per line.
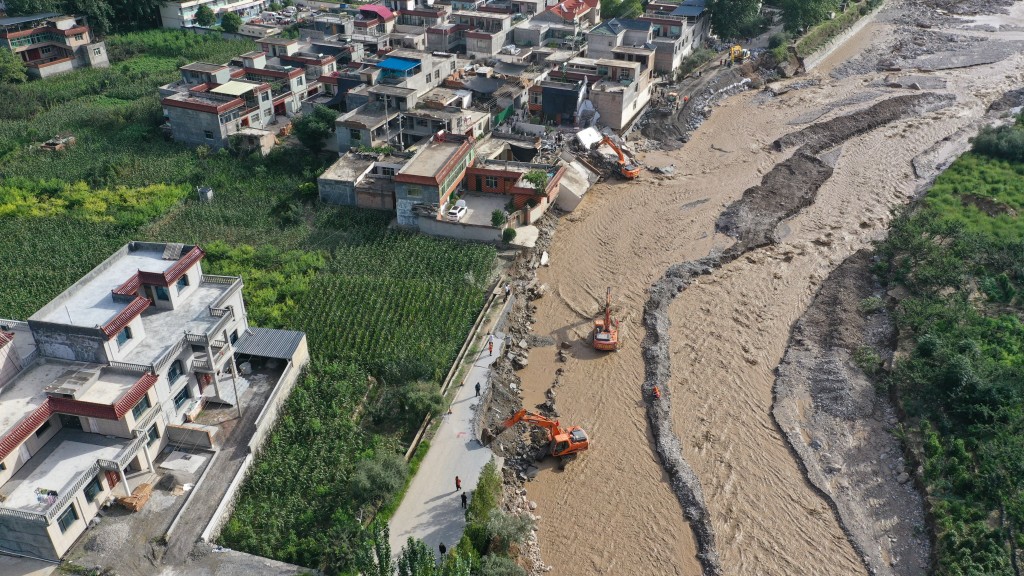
x=477 y=388
x=657 y=393
x=458 y=483
x=465 y=501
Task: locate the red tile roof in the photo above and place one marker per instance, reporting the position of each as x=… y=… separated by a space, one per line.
x=569 y=9
x=30 y=424
x=6 y=338
x=125 y=317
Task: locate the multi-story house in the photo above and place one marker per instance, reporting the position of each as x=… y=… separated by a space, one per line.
x=105 y=375
x=51 y=44
x=604 y=38
x=678 y=28
x=485 y=32
x=182 y=13
x=432 y=175
x=619 y=88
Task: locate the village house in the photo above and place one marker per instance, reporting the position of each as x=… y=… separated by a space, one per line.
x=678 y=28
x=97 y=382
x=182 y=13
x=432 y=175
x=51 y=44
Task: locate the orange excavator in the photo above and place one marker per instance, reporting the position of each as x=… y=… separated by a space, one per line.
x=565 y=445
x=606 y=328
x=628 y=169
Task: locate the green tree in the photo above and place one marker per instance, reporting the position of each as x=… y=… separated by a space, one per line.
x=800 y=14
x=730 y=17
x=498 y=218
x=26 y=7
x=205 y=16
x=538 y=178
x=12 y=68
x=313 y=129
x=374 y=557
x=505 y=530
x=231 y=22
x=377 y=479
x=275 y=7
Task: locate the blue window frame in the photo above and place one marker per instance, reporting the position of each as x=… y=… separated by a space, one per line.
x=141 y=407
x=92 y=489
x=124 y=336
x=181 y=397
x=67 y=518
x=162 y=293
x=174 y=372
x=182 y=283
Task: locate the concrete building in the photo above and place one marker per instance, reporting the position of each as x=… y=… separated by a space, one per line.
x=607 y=36
x=678 y=28
x=619 y=89
x=182 y=13
x=484 y=33
x=50 y=44
x=507 y=178
x=364 y=180
x=432 y=175
x=106 y=375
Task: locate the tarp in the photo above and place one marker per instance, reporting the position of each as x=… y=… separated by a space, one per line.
x=503 y=115
x=522 y=154
x=399 y=64
x=481 y=84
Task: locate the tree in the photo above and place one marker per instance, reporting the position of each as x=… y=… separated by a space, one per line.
x=374 y=557
x=205 y=16
x=377 y=479
x=12 y=68
x=729 y=17
x=231 y=22
x=798 y=15
x=504 y=530
x=538 y=178
x=417 y=559
x=498 y=218
x=275 y=7
x=314 y=128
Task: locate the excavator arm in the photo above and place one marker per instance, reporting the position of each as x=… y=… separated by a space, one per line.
x=615 y=147
x=523 y=415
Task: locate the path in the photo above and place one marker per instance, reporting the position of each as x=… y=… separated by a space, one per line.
x=432 y=510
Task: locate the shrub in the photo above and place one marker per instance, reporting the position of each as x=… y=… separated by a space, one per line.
x=779 y=39
x=508 y=235
x=870 y=305
x=867 y=360
x=377 y=479
x=492 y=565
x=231 y=22
x=695 y=60
x=498 y=218
x=506 y=530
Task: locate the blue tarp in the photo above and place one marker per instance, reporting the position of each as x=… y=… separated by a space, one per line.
x=399 y=64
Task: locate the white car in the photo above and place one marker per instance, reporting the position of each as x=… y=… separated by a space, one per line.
x=456 y=213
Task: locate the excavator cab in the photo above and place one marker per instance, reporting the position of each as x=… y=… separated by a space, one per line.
x=606 y=328
x=566 y=447
x=562 y=444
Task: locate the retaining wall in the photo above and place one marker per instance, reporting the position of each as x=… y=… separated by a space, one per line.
x=819 y=55
x=458 y=230
x=192 y=435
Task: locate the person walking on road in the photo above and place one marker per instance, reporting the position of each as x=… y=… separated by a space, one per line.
x=458 y=483
x=490 y=344
x=508 y=291
x=442 y=548
x=477 y=388
x=465 y=501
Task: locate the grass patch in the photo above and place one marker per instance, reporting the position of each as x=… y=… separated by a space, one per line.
x=962 y=384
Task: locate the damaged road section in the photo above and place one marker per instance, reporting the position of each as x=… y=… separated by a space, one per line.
x=752 y=220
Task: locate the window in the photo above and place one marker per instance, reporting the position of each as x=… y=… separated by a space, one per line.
x=414 y=192
x=181 y=397
x=182 y=283
x=67 y=518
x=3 y=466
x=491 y=181
x=234 y=336
x=153 y=434
x=92 y=489
x=124 y=336
x=354 y=135
x=162 y=293
x=46 y=49
x=437 y=74
x=387 y=171
x=422 y=122
x=300 y=80
x=175 y=372
x=79 y=37
x=141 y=408
x=209 y=135
x=42 y=429
x=266 y=96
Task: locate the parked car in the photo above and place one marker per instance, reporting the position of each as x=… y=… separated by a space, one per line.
x=456 y=213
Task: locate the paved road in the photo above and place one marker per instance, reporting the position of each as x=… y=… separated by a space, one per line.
x=432 y=508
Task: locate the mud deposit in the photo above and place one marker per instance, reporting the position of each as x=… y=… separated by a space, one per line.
x=841 y=427
x=704 y=480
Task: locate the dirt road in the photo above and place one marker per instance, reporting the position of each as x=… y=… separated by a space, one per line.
x=729 y=329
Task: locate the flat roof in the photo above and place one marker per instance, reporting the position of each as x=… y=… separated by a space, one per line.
x=15 y=20
x=235 y=88
x=64 y=457
x=203 y=67
x=89 y=303
x=391 y=90
x=478 y=14
x=632 y=50
x=165 y=327
x=368 y=115
x=429 y=162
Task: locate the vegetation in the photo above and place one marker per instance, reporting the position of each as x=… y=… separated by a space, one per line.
x=508 y=235
x=538 y=178
x=490 y=532
x=621 y=9
x=314 y=129
x=12 y=68
x=816 y=14
x=105 y=16
x=1004 y=142
x=414 y=560
x=958 y=257
x=498 y=218
x=373 y=301
x=231 y=22
x=205 y=16
x=694 y=60
x=734 y=18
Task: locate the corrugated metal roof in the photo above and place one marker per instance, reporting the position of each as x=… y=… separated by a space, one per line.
x=269 y=343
